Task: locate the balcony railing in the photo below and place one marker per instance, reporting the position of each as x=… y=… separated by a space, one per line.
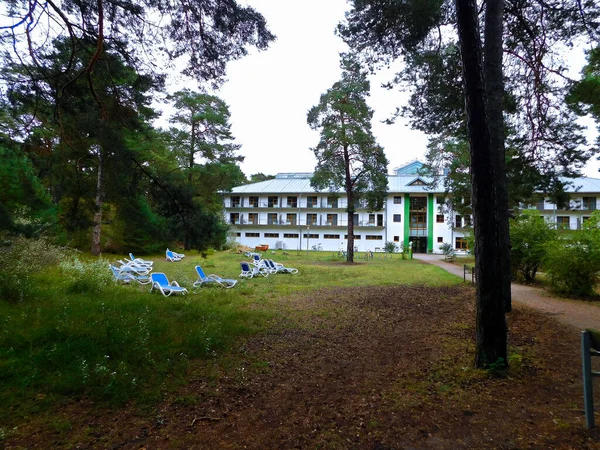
x=323 y=204
x=320 y=222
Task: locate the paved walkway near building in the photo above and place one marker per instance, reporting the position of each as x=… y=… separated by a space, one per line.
x=577 y=313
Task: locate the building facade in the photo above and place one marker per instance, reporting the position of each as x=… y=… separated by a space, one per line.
x=287 y=213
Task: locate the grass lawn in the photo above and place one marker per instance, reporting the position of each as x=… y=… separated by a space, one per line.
x=376 y=354
x=120 y=342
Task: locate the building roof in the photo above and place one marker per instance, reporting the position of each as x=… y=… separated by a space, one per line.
x=298 y=185
x=405 y=180
x=583 y=185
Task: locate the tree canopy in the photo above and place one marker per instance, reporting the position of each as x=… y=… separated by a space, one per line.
x=348 y=157
x=544 y=140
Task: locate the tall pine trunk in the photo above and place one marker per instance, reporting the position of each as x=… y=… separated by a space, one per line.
x=491 y=330
x=97 y=221
x=492 y=66
x=350 y=197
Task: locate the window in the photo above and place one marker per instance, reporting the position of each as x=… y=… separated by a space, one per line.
x=397 y=217
x=439 y=218
x=253 y=201
x=271 y=235
x=291 y=219
x=332 y=219
x=331 y=236
x=467 y=221
x=562 y=222
x=238 y=234
x=440 y=200
x=234 y=218
x=461 y=244
x=272 y=201
x=356 y=237
x=253 y=218
x=311 y=201
x=396 y=238
x=272 y=218
x=440 y=240
x=292 y=202
x=397 y=200
x=371 y=219
x=311 y=219
x=373 y=237
x=291 y=235
x=589 y=203
x=235 y=201
x=458 y=221
x=252 y=234
x=418 y=203
x=310 y=236
x=332 y=202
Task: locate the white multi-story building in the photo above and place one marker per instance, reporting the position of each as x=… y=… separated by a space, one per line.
x=287 y=213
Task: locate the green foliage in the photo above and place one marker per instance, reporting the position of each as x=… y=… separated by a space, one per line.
x=20 y=259
x=530 y=237
x=573 y=262
x=543 y=140
x=390 y=247
x=25 y=205
x=85 y=276
x=347 y=154
x=447 y=249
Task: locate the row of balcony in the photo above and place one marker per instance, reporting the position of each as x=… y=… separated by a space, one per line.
x=297 y=205
x=585 y=205
x=304 y=223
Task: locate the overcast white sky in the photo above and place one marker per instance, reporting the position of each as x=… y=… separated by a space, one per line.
x=270 y=92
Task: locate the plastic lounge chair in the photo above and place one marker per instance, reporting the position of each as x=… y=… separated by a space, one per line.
x=262 y=265
x=177 y=255
x=125 y=276
x=250 y=271
x=140 y=261
x=171 y=256
x=246 y=270
x=161 y=283
x=122 y=277
x=212 y=279
x=281 y=268
x=134 y=268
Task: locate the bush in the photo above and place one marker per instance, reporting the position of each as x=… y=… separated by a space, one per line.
x=86 y=276
x=20 y=258
x=573 y=263
x=530 y=237
x=390 y=247
x=447 y=249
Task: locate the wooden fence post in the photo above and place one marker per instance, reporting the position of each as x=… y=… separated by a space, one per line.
x=590 y=346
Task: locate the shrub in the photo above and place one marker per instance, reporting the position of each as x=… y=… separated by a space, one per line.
x=573 y=263
x=20 y=258
x=86 y=276
x=447 y=249
x=530 y=237
x=390 y=247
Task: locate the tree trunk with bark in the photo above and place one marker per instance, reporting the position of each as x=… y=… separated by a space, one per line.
x=492 y=66
x=350 y=197
x=491 y=332
x=97 y=221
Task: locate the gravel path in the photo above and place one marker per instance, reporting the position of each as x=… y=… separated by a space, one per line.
x=576 y=313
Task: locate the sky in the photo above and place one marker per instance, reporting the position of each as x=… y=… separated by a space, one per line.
x=269 y=93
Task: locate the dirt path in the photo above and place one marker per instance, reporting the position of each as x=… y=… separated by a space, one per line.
x=576 y=313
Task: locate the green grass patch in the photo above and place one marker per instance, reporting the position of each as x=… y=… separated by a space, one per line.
x=73 y=337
